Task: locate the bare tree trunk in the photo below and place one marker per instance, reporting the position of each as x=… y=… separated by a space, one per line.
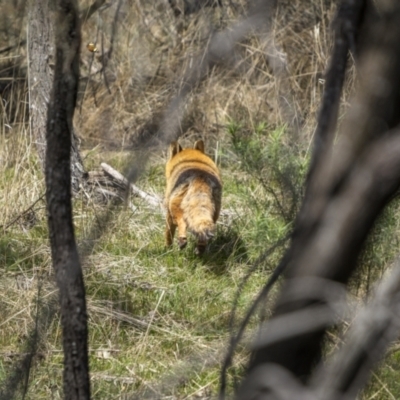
x=41 y=71
x=58 y=195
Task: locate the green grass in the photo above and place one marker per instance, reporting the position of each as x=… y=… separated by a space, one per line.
x=384 y=382
x=159 y=318
x=155 y=314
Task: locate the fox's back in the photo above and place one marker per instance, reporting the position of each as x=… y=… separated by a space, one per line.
x=187 y=165
x=193 y=194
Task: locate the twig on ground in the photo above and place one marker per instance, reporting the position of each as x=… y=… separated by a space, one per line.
x=23 y=213
x=151 y=200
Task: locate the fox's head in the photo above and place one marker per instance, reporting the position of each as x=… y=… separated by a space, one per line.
x=175 y=148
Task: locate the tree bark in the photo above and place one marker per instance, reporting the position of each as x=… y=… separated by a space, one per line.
x=58 y=195
x=41 y=58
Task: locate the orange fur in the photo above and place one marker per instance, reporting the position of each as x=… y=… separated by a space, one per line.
x=193 y=195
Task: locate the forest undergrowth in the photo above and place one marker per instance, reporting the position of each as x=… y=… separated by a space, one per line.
x=160 y=319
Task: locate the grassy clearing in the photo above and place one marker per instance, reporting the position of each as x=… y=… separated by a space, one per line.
x=159 y=318
x=152 y=312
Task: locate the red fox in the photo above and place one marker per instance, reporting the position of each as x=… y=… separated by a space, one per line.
x=193 y=195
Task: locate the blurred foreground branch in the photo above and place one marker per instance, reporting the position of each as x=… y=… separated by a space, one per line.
x=347 y=22
x=347 y=192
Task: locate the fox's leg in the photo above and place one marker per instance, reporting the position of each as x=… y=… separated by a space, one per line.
x=177 y=213
x=217 y=193
x=169 y=230
x=182 y=239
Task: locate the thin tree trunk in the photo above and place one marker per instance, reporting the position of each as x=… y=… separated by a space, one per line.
x=58 y=195
x=41 y=57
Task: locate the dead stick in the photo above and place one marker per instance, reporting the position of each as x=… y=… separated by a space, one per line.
x=152 y=200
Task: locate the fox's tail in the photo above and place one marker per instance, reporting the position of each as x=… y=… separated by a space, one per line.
x=198 y=209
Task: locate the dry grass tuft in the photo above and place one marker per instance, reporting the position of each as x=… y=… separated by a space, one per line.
x=152 y=49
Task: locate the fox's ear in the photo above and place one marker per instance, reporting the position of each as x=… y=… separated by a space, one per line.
x=174 y=148
x=199 y=145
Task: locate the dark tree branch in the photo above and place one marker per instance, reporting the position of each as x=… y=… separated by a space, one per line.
x=378 y=167
x=374 y=111
x=114 y=31
x=347 y=193
x=58 y=195
x=346 y=23
x=104 y=61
